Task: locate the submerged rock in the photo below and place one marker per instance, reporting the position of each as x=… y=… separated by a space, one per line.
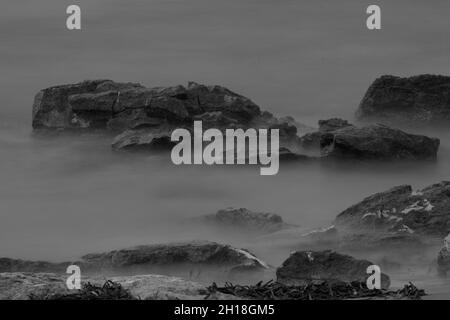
x=339 y=139
x=245 y=219
x=418 y=100
x=304 y=267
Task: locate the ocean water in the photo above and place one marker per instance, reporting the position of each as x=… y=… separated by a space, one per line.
x=61 y=197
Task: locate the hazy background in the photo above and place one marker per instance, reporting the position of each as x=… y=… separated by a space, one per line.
x=63 y=197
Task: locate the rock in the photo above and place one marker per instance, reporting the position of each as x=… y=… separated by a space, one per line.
x=193 y=253
x=304 y=267
x=20 y=286
x=52 y=108
x=201 y=259
x=377 y=142
x=93 y=104
x=247 y=220
x=338 y=139
x=146 y=117
x=418 y=100
x=400 y=210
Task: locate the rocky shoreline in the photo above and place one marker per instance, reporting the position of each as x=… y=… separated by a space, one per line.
x=399 y=219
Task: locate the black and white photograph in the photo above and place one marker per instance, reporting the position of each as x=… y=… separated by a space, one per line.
x=224 y=155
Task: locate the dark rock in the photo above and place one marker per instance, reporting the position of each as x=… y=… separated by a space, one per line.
x=418 y=100
x=337 y=138
x=152 y=113
x=170 y=259
x=304 y=267
x=401 y=211
x=377 y=142
x=245 y=219
x=52 y=108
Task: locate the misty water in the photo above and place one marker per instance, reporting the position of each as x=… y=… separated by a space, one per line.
x=64 y=196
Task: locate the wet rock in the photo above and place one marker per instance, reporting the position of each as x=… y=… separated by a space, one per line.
x=92 y=104
x=195 y=253
x=377 y=142
x=152 y=113
x=52 y=108
x=400 y=210
x=245 y=219
x=304 y=267
x=418 y=100
x=338 y=139
x=22 y=286
x=202 y=260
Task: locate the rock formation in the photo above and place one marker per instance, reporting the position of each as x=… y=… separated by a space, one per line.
x=402 y=210
x=246 y=220
x=419 y=100
x=304 y=267
x=196 y=259
x=338 y=139
x=146 y=117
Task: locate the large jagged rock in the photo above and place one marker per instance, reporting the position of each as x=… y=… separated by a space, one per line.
x=23 y=286
x=203 y=260
x=244 y=219
x=339 y=139
x=303 y=267
x=147 y=116
x=401 y=210
x=103 y=103
x=418 y=100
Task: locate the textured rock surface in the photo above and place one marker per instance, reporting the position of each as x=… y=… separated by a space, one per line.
x=247 y=220
x=378 y=143
x=337 y=138
x=418 y=100
x=303 y=267
x=185 y=259
x=400 y=210
x=19 y=286
x=197 y=253
x=147 y=116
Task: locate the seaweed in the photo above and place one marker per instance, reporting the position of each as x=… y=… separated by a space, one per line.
x=319 y=290
x=108 y=291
